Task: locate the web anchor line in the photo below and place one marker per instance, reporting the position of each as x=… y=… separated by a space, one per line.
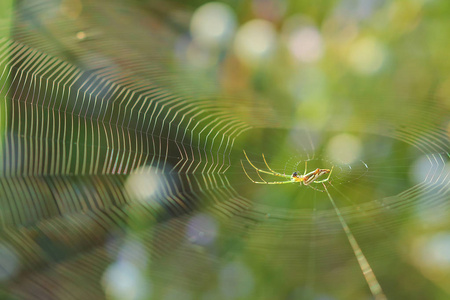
x=367 y=271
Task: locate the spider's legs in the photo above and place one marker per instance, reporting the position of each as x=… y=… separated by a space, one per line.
x=326 y=179
x=263 y=181
x=310 y=186
x=267 y=165
x=306 y=167
x=272 y=172
x=259 y=175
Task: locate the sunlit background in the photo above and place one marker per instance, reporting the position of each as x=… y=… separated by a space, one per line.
x=123 y=130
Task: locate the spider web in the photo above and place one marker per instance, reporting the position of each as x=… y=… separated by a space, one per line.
x=119 y=159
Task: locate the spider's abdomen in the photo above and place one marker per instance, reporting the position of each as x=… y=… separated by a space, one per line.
x=297 y=178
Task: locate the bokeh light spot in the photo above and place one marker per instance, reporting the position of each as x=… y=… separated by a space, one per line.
x=434 y=251
x=272 y=10
x=213 y=24
x=71 y=8
x=430 y=169
x=255 y=41
x=9 y=262
x=202 y=229
x=305 y=44
x=81 y=35
x=123 y=280
x=366 y=56
x=345 y=148
x=236 y=281
x=143 y=183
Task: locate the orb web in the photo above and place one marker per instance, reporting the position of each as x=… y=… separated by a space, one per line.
x=114 y=157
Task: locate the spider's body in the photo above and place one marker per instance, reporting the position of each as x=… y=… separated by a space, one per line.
x=310 y=177
x=306 y=178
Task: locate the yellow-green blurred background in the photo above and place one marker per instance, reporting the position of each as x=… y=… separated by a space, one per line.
x=122 y=172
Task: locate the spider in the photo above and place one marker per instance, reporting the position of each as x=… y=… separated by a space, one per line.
x=306 y=178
